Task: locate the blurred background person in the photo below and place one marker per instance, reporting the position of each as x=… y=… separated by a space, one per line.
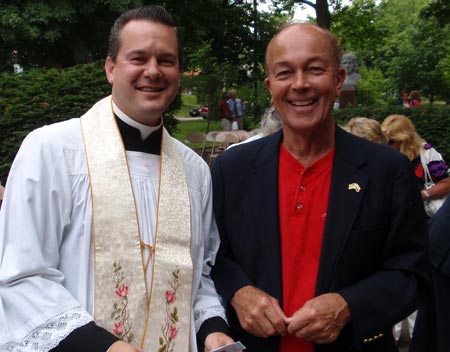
x=224 y=113
x=366 y=128
x=270 y=123
x=404 y=99
x=402 y=136
x=236 y=107
x=414 y=99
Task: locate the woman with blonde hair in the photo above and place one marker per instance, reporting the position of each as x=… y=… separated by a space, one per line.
x=364 y=127
x=401 y=135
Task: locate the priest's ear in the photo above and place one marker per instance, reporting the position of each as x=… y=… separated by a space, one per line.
x=109 y=69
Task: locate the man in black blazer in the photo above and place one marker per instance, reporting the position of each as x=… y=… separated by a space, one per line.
x=360 y=211
x=431 y=331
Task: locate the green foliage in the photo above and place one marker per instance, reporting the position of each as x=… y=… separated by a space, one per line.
x=373 y=88
x=396 y=15
x=38 y=97
x=439 y=9
x=56 y=32
x=407 y=41
x=419 y=66
x=224 y=40
x=431 y=122
x=356 y=30
x=231 y=54
x=42 y=96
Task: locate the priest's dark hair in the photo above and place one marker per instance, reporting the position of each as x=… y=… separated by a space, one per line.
x=150 y=13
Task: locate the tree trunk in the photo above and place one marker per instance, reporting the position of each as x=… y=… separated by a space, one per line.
x=323 y=13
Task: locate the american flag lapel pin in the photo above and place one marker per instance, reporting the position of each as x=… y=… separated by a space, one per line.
x=354 y=186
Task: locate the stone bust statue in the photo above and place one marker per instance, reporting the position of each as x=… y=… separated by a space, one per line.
x=350 y=64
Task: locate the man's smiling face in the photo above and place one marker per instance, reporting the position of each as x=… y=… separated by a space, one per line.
x=303 y=77
x=145 y=76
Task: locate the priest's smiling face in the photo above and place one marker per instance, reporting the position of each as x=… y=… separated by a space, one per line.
x=145 y=76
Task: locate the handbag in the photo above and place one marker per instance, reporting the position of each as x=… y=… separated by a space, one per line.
x=234 y=126
x=431 y=205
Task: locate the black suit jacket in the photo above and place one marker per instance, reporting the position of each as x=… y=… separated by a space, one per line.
x=374 y=242
x=439 y=230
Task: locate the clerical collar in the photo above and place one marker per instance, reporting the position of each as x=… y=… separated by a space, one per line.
x=143 y=129
x=136 y=136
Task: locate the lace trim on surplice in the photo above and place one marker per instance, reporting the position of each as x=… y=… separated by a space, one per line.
x=50 y=334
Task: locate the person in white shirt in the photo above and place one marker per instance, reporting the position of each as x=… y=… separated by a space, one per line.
x=107 y=235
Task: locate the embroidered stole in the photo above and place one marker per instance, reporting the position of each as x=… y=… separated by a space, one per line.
x=158 y=320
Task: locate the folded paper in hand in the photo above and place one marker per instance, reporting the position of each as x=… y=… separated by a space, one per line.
x=234 y=347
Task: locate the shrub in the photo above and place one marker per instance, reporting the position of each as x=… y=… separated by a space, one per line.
x=373 y=87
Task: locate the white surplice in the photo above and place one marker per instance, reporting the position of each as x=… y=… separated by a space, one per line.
x=46 y=249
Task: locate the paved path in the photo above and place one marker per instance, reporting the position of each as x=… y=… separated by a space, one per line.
x=189 y=118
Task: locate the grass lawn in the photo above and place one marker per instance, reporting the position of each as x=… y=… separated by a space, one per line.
x=187 y=103
x=184 y=127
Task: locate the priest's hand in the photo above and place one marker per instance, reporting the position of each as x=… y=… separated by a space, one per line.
x=258 y=313
x=321 y=319
x=216 y=340
x=120 y=346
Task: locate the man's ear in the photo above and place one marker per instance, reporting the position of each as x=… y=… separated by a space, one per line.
x=109 y=69
x=340 y=78
x=267 y=82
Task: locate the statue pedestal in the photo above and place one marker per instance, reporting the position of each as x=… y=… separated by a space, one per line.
x=347 y=97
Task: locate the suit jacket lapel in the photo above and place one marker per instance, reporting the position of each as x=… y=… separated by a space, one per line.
x=348 y=184
x=262 y=186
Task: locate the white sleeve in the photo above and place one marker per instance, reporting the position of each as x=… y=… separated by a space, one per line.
x=36 y=311
x=207 y=303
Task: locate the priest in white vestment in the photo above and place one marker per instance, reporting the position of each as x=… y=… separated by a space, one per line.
x=107 y=234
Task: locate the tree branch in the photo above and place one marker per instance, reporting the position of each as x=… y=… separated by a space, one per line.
x=306 y=2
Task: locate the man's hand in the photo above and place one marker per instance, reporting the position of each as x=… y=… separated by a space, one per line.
x=321 y=319
x=258 y=313
x=216 y=340
x=120 y=346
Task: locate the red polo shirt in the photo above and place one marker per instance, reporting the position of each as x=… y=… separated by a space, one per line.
x=303 y=199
